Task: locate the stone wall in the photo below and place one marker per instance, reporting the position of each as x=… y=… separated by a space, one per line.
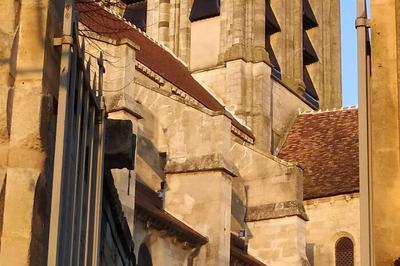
x=326 y=74
x=28 y=86
x=385 y=131
x=245 y=90
x=239 y=33
x=215 y=181
x=330 y=219
x=164 y=249
x=279 y=242
x=286 y=104
x=272 y=193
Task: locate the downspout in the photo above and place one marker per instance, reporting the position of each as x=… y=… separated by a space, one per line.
x=364 y=135
x=193 y=255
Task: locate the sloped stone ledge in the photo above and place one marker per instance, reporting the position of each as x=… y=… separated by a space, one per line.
x=123 y=101
x=212 y=162
x=276 y=210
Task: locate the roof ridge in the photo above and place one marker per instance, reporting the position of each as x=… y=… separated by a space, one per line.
x=141 y=32
x=343 y=108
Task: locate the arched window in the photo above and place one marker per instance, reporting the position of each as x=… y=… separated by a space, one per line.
x=344 y=252
x=144 y=258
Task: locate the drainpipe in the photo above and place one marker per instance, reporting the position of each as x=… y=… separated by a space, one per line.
x=364 y=135
x=192 y=256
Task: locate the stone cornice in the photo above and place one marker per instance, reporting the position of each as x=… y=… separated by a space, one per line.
x=246 y=53
x=149 y=73
x=237 y=132
x=332 y=199
x=276 y=210
x=189 y=100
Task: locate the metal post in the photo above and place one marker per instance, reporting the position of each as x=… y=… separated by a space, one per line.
x=61 y=131
x=100 y=168
x=364 y=137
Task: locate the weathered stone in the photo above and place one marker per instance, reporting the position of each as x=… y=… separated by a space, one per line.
x=330 y=219
x=384 y=135
x=286 y=241
x=212 y=162
x=276 y=210
x=17 y=217
x=122 y=101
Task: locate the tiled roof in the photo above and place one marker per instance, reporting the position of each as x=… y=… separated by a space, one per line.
x=152 y=55
x=325 y=144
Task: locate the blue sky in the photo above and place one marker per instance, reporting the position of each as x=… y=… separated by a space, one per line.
x=349 y=52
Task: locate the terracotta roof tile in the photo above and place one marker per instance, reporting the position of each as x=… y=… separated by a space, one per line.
x=325 y=144
x=152 y=55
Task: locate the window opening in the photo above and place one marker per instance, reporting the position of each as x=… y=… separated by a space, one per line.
x=344 y=252
x=271 y=27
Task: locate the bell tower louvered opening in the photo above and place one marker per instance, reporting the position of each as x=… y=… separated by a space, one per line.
x=310 y=56
x=271 y=27
x=136 y=13
x=203 y=9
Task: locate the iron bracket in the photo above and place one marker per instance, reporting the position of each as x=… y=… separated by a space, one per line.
x=65 y=39
x=363 y=22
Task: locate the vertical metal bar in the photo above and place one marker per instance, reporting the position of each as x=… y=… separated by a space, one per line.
x=60 y=143
x=100 y=163
x=364 y=138
x=69 y=177
x=77 y=249
x=98 y=193
x=77 y=235
x=90 y=175
x=76 y=254
x=77 y=186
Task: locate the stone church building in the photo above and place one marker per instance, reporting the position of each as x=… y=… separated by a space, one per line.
x=213 y=134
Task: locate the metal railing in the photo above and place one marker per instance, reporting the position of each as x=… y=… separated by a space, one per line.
x=76 y=200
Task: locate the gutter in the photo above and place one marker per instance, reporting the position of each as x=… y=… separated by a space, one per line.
x=362 y=26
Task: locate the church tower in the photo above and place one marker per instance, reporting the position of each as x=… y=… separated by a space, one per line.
x=245 y=51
